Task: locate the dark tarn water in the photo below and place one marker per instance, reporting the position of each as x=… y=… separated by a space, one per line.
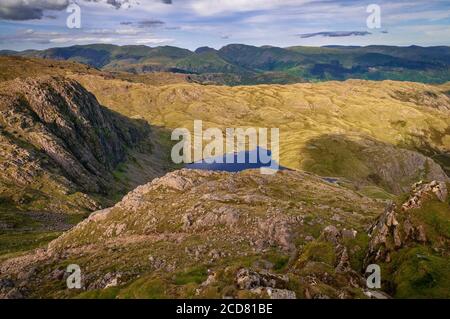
x=220 y=163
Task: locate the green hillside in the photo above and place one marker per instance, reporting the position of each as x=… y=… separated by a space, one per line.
x=237 y=64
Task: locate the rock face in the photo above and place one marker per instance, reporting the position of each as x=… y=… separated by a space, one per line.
x=395 y=228
x=232 y=234
x=386 y=226
x=248 y=279
x=214 y=234
x=187 y=198
x=422 y=191
x=410 y=242
x=325 y=267
x=264 y=284
x=373 y=162
x=54 y=131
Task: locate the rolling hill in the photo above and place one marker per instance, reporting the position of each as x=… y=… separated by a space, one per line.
x=345 y=129
x=367 y=182
x=237 y=64
x=246 y=235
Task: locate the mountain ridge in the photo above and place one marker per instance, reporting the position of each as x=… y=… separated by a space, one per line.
x=61 y=148
x=236 y=64
x=368 y=182
x=224 y=239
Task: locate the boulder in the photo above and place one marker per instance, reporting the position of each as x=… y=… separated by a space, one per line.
x=248 y=279
x=281 y=293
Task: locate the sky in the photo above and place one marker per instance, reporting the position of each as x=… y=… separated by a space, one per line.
x=40 y=24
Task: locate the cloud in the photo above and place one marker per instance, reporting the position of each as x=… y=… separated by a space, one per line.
x=194 y=23
x=117 y=3
x=29 y=35
x=125 y=35
x=145 y=24
x=62 y=40
x=334 y=34
x=150 y=23
x=153 y=41
x=213 y=7
x=429 y=15
x=116 y=32
x=34 y=9
x=29 y=9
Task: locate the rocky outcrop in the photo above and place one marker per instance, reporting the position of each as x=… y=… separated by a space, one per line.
x=422 y=191
x=65 y=122
x=278 y=231
x=52 y=129
x=333 y=235
x=199 y=230
x=325 y=267
x=248 y=237
x=373 y=162
x=395 y=228
x=249 y=279
x=385 y=229
x=264 y=284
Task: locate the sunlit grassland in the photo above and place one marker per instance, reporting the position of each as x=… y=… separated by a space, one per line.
x=389 y=115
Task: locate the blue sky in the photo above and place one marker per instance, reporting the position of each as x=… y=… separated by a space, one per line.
x=38 y=24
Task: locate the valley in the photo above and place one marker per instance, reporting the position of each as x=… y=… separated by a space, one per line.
x=86 y=178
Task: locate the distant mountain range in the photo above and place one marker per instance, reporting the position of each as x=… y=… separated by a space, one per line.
x=237 y=64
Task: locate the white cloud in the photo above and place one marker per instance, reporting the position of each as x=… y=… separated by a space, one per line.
x=213 y=7
x=431 y=15
x=127 y=31
x=153 y=41
x=193 y=23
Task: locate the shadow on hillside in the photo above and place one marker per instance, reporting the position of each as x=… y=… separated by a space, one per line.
x=430 y=150
x=368 y=162
x=148 y=158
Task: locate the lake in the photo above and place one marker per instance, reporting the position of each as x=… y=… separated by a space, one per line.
x=222 y=163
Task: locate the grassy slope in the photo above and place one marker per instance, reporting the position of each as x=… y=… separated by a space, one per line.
x=423 y=270
x=397 y=114
x=389 y=114
x=13 y=67
x=156 y=229
x=237 y=64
